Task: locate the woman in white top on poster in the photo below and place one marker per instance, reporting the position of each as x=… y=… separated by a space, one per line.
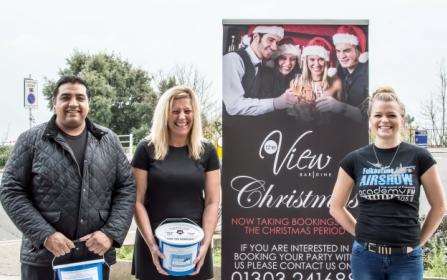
x=318 y=79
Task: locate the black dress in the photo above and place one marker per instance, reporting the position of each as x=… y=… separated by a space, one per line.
x=174 y=190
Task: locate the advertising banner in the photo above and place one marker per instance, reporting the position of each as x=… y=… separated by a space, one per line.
x=294 y=104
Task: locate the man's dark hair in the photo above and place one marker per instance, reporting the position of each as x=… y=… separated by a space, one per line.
x=70 y=80
x=260 y=36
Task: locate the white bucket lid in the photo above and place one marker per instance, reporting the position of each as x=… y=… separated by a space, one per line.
x=179 y=233
x=78 y=263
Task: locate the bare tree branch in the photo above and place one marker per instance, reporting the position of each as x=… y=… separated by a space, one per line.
x=189 y=75
x=433 y=110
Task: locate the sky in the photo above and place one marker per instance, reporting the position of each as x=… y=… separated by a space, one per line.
x=407 y=40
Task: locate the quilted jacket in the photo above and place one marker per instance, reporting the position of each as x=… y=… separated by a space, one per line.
x=43 y=191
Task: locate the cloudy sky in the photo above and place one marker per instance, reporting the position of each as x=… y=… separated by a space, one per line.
x=407 y=40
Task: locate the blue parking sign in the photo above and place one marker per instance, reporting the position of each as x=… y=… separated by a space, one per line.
x=421 y=138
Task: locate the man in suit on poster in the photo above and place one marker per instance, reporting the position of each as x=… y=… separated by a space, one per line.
x=242 y=75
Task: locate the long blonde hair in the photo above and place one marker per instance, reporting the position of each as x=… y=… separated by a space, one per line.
x=159 y=134
x=306 y=77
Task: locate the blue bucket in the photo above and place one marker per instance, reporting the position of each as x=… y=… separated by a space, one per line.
x=179 y=242
x=87 y=270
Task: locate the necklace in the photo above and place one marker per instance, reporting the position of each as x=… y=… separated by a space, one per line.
x=379 y=164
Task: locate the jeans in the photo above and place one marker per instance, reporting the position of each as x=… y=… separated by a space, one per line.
x=366 y=265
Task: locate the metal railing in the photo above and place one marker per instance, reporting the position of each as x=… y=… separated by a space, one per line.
x=436 y=138
x=126 y=141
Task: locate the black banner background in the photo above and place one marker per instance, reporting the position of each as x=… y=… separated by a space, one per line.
x=278 y=174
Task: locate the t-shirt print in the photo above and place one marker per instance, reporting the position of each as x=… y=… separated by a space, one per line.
x=386 y=183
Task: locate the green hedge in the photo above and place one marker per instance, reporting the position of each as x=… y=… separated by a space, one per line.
x=5 y=151
x=435 y=261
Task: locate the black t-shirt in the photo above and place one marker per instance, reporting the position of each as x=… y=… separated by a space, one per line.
x=176 y=184
x=388 y=196
x=77 y=144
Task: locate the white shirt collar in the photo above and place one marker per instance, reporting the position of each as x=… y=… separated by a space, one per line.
x=253 y=57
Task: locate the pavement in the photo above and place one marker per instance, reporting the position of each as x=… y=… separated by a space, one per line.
x=9 y=264
x=10 y=236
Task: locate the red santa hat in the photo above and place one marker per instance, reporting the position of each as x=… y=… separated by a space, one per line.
x=354 y=35
x=265 y=29
x=322 y=48
x=287 y=49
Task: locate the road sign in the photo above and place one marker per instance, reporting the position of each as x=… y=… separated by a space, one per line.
x=29 y=93
x=421 y=138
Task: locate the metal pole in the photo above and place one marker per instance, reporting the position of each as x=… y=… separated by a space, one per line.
x=30 y=112
x=131 y=144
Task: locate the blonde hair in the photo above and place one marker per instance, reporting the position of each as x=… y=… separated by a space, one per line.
x=159 y=134
x=306 y=77
x=386 y=94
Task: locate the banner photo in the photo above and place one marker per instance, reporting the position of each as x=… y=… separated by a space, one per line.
x=295 y=100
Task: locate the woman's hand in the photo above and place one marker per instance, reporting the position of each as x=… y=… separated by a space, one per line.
x=200 y=259
x=156 y=256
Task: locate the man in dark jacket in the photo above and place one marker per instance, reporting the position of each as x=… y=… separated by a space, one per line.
x=68 y=186
x=350 y=45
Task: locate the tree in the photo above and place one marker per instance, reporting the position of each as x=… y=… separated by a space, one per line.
x=434 y=108
x=408 y=132
x=122 y=97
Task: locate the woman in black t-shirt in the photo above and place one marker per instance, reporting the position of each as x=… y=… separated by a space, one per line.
x=387 y=176
x=177 y=176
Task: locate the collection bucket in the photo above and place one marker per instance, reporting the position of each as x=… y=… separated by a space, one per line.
x=87 y=270
x=179 y=241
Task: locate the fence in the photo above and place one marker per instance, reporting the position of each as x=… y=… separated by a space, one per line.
x=126 y=141
x=436 y=138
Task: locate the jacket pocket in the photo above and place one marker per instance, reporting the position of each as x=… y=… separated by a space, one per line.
x=51 y=217
x=104 y=215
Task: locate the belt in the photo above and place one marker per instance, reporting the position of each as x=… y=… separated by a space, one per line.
x=385 y=249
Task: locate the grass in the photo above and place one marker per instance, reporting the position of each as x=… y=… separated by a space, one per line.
x=436 y=259
x=217 y=254
x=125 y=253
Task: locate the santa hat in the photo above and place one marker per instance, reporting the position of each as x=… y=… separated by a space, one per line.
x=287 y=49
x=354 y=35
x=320 y=47
x=265 y=29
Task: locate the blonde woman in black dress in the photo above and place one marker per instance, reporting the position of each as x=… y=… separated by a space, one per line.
x=177 y=176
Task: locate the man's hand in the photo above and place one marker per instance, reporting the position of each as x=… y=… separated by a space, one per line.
x=286 y=100
x=97 y=242
x=58 y=244
x=329 y=104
